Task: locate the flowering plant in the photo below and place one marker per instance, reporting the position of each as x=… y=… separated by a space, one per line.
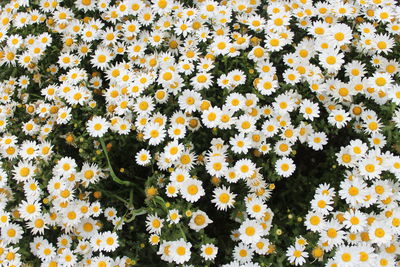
x=199 y=133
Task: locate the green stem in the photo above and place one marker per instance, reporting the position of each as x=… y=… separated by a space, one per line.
x=131 y=197
x=112 y=173
x=113 y=196
x=135 y=213
x=182 y=233
x=14 y=72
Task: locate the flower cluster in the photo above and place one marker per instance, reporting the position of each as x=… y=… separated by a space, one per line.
x=204 y=106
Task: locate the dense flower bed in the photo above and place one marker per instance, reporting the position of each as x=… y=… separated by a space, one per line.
x=199 y=133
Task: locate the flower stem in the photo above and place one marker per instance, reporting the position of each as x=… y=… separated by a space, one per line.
x=112 y=173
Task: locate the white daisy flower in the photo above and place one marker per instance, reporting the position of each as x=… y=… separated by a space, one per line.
x=97 y=126
x=199 y=220
x=154 y=223
x=143 y=157
x=285 y=167
x=380 y=233
x=296 y=255
x=223 y=198
x=208 y=251
x=192 y=190
x=180 y=251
